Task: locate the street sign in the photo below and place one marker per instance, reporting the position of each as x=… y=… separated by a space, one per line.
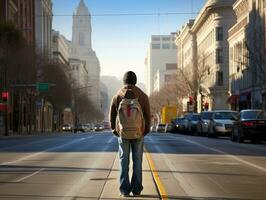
x=42 y=87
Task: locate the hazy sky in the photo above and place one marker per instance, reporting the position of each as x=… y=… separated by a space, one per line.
x=121 y=42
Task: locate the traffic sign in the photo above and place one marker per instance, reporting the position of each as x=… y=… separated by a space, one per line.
x=42 y=87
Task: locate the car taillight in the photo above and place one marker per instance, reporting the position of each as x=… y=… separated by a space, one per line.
x=248 y=123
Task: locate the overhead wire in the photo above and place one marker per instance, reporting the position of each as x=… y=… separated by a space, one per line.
x=127 y=14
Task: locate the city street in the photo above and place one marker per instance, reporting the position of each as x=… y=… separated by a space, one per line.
x=86 y=166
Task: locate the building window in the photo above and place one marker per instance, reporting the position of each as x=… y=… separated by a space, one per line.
x=219 y=33
x=156 y=46
x=166 y=38
x=174 y=46
x=219 y=56
x=166 y=46
x=171 y=66
x=220 y=78
x=156 y=38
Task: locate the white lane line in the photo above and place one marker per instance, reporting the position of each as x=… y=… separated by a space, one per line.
x=47 y=150
x=85 y=177
x=184 y=184
x=227 y=155
x=26 y=177
x=42 y=169
x=110 y=141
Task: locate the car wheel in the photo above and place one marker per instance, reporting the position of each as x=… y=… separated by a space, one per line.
x=209 y=134
x=233 y=135
x=199 y=130
x=240 y=138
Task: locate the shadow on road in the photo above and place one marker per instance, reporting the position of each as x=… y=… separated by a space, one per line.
x=30 y=169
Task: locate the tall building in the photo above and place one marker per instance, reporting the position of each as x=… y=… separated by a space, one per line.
x=247 y=56
x=164 y=78
x=43 y=27
x=60 y=48
x=81 y=48
x=206 y=39
x=161 y=53
x=22 y=14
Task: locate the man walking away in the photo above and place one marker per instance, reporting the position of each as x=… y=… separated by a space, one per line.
x=130 y=122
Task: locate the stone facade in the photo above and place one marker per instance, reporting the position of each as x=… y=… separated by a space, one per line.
x=207 y=38
x=247 y=55
x=60 y=48
x=43 y=27
x=22 y=14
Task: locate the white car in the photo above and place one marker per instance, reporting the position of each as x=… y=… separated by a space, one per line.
x=221 y=123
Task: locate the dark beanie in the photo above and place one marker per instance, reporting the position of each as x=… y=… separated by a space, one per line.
x=130 y=78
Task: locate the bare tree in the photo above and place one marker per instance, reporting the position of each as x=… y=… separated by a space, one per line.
x=85 y=110
x=191 y=79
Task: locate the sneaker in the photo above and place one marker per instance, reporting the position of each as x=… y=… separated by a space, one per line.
x=124 y=195
x=136 y=194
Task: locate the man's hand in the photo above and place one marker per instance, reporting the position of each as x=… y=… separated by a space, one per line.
x=115 y=133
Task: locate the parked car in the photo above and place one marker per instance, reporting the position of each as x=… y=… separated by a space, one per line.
x=106 y=125
x=186 y=119
x=168 y=128
x=192 y=123
x=87 y=127
x=221 y=123
x=67 y=128
x=79 y=128
x=251 y=125
x=203 y=123
x=177 y=124
x=98 y=127
x=160 y=128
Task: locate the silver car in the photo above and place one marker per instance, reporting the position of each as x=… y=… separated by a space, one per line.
x=204 y=122
x=221 y=123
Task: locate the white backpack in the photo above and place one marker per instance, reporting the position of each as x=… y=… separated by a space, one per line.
x=130 y=120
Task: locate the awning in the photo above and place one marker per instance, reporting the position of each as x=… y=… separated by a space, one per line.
x=233 y=99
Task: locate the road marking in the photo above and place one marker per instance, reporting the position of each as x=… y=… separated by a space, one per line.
x=47 y=150
x=73 y=192
x=184 y=184
x=26 y=177
x=159 y=184
x=227 y=154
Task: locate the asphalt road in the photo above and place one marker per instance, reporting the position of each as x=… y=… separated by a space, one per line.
x=86 y=166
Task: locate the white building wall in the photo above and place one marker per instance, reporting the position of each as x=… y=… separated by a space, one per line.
x=161 y=51
x=60 y=48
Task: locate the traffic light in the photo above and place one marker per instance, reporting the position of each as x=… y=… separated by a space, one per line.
x=205 y=106
x=190 y=100
x=5 y=96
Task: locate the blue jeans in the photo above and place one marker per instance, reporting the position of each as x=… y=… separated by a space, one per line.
x=136 y=147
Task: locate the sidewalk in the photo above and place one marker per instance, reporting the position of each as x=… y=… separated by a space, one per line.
x=111 y=188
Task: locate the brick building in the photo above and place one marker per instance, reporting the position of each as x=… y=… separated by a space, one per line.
x=22 y=14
